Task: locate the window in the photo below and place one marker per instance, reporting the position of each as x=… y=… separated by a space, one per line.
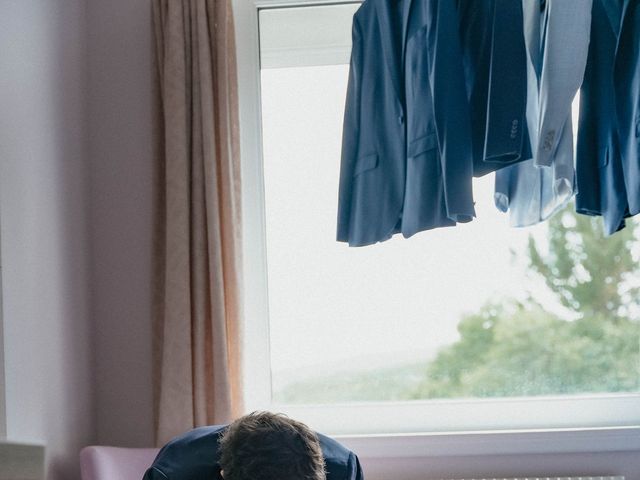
x=476 y=327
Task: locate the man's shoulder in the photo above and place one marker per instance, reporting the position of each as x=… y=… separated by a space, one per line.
x=337 y=458
x=194 y=454
x=196 y=438
x=197 y=448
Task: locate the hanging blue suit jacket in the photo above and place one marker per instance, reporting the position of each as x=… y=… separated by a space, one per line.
x=496 y=79
x=406 y=152
x=608 y=153
x=194 y=456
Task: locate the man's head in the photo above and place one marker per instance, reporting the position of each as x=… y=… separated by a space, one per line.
x=269 y=446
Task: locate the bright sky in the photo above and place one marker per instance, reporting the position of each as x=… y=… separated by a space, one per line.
x=333 y=307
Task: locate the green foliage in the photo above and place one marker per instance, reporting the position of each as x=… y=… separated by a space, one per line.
x=586 y=270
x=523 y=350
x=531 y=352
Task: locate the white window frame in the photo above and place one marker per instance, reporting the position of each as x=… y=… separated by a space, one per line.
x=608 y=422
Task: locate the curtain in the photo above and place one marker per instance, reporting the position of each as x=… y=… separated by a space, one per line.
x=197 y=322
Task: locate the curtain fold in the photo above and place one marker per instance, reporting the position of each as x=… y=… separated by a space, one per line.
x=198 y=315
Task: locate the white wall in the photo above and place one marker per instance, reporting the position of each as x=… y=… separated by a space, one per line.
x=44 y=228
x=119 y=44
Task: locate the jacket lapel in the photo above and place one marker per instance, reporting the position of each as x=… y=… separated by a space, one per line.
x=622 y=34
x=614 y=13
x=406 y=10
x=392 y=53
x=532 y=34
x=622 y=23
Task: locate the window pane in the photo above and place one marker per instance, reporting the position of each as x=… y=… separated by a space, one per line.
x=479 y=310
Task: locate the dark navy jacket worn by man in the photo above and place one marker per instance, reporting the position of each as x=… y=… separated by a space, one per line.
x=195 y=455
x=608 y=156
x=407 y=158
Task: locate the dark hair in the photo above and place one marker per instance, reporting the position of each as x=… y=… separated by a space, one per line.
x=270 y=446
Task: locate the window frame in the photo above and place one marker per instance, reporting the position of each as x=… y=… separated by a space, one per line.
x=406 y=428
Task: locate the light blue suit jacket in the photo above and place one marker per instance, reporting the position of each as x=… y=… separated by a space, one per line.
x=557 y=42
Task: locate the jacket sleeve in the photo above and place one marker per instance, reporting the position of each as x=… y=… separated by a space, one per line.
x=154 y=474
x=354 y=470
x=565 y=57
x=451 y=110
x=507 y=137
x=502 y=189
x=350 y=134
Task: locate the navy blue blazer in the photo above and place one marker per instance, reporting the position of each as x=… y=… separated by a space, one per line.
x=608 y=152
x=407 y=158
x=496 y=79
x=194 y=456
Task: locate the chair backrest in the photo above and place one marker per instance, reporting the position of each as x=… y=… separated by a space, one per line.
x=114 y=463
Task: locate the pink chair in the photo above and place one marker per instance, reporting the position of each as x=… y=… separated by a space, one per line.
x=114 y=463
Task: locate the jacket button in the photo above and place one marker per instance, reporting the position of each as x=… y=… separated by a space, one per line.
x=400 y=119
x=548 y=140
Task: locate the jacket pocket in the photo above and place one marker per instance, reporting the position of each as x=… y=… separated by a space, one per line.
x=365 y=163
x=422 y=144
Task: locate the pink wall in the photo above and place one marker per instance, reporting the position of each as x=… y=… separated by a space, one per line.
x=43 y=169
x=120 y=160
x=121 y=234
x=76 y=211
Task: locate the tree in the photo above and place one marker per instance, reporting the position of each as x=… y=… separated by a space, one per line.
x=591 y=274
x=532 y=352
x=514 y=349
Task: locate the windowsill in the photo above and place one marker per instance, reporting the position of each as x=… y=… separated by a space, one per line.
x=507 y=442
x=499 y=421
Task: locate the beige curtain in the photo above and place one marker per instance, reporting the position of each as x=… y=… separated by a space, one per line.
x=198 y=317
